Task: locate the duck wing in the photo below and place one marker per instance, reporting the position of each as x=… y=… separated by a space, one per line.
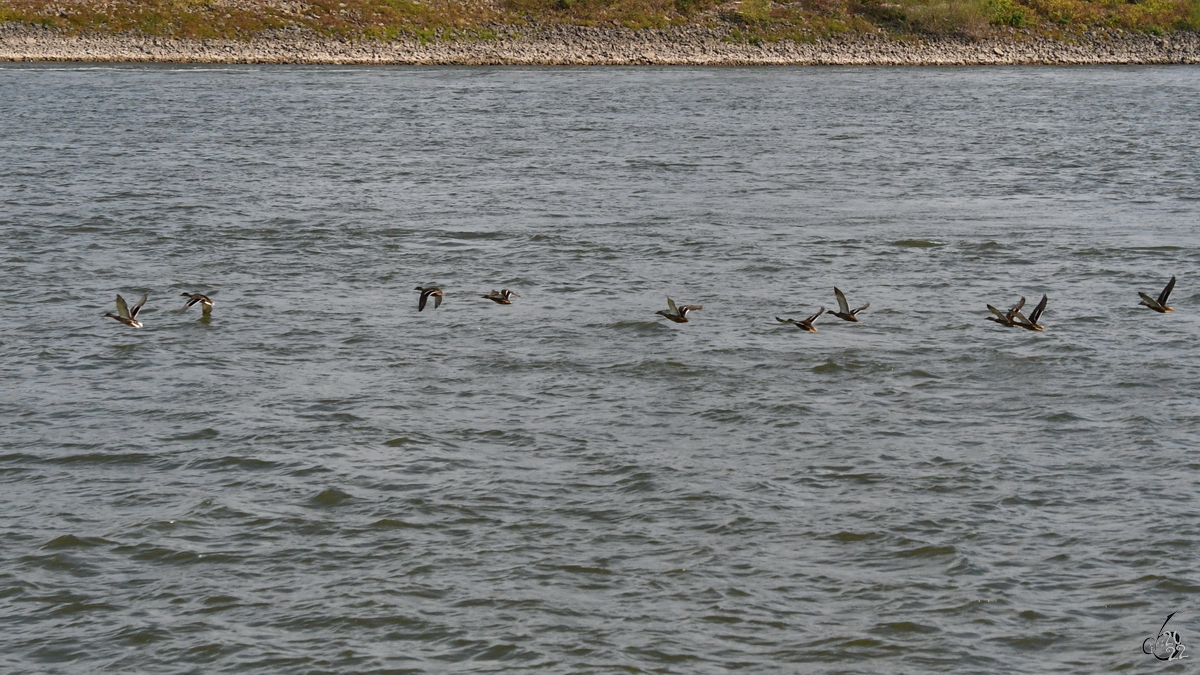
x=1017 y=307
x=437 y=299
x=843 y=306
x=133 y=311
x=1037 y=311
x=671 y=305
x=122 y=308
x=998 y=313
x=1166 y=293
x=791 y=321
x=856 y=311
x=1148 y=301
x=422 y=301
x=812 y=318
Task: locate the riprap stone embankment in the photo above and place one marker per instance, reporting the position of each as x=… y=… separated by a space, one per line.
x=576 y=45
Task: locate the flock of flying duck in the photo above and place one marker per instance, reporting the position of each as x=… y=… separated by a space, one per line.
x=128 y=315
x=1013 y=318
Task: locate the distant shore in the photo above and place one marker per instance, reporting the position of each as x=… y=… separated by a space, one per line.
x=575 y=45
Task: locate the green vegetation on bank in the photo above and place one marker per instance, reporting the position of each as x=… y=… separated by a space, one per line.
x=750 y=20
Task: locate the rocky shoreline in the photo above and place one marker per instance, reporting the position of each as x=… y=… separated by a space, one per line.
x=575 y=45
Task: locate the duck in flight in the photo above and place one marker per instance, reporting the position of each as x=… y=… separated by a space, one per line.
x=678 y=314
x=806 y=324
x=501 y=297
x=426 y=292
x=844 y=311
x=206 y=303
x=126 y=314
x=1009 y=318
x=1032 y=322
x=1159 y=305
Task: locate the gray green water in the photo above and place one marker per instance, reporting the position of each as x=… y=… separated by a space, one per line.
x=320 y=479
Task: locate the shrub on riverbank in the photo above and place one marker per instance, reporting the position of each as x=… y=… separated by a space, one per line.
x=751 y=20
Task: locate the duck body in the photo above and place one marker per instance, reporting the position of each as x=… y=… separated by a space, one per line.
x=844 y=311
x=501 y=297
x=1159 y=304
x=206 y=303
x=126 y=314
x=805 y=324
x=676 y=313
x=426 y=293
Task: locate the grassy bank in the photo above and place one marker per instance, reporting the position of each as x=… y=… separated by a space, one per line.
x=746 y=20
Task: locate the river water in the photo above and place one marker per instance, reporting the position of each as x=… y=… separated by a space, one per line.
x=321 y=479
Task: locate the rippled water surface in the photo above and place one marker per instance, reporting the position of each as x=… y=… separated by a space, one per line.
x=320 y=479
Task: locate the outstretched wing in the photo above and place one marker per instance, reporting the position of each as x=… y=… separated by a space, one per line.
x=856 y=311
x=998 y=313
x=437 y=300
x=1162 y=297
x=785 y=320
x=138 y=307
x=1017 y=307
x=1148 y=301
x=814 y=316
x=1037 y=311
x=422 y=301
x=1018 y=317
x=122 y=308
x=671 y=306
x=841 y=298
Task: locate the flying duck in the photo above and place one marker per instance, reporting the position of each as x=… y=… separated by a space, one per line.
x=206 y=303
x=1006 y=319
x=1032 y=322
x=844 y=311
x=502 y=297
x=1159 y=305
x=426 y=292
x=678 y=314
x=806 y=324
x=127 y=315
